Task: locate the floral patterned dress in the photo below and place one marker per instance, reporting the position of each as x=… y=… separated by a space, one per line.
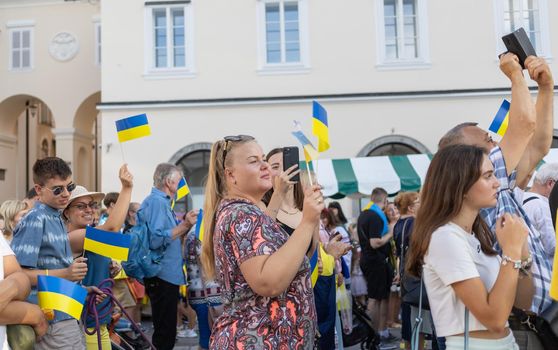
x=251 y=321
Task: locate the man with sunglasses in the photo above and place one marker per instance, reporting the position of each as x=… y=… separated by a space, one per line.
x=42 y=247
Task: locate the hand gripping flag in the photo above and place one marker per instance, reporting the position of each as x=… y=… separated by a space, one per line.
x=500 y=123
x=320 y=127
x=199 y=226
x=310 y=152
x=62 y=295
x=113 y=245
x=132 y=128
x=554 y=279
x=314 y=267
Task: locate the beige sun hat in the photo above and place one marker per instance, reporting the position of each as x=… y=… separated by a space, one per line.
x=81 y=191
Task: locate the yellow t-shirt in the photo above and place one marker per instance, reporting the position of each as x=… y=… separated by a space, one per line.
x=328 y=262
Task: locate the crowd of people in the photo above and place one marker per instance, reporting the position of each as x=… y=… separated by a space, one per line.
x=452 y=263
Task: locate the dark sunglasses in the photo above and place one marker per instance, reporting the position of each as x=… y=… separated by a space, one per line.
x=234 y=138
x=83 y=206
x=58 y=190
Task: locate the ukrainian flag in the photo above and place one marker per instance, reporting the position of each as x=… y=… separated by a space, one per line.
x=182 y=190
x=500 y=123
x=110 y=244
x=132 y=128
x=314 y=267
x=319 y=126
x=59 y=294
x=310 y=152
x=199 y=226
x=554 y=280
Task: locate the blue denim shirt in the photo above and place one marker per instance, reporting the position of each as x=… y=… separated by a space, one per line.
x=41 y=242
x=156 y=211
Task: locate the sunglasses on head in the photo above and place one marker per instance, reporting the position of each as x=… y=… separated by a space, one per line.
x=58 y=190
x=234 y=138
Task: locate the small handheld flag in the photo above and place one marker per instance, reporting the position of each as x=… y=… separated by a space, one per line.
x=314 y=267
x=310 y=152
x=554 y=280
x=132 y=128
x=183 y=190
x=62 y=295
x=320 y=127
x=199 y=226
x=500 y=123
x=110 y=244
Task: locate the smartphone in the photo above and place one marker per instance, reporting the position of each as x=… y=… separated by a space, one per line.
x=519 y=44
x=290 y=158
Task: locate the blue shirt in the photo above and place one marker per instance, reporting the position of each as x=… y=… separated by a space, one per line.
x=41 y=242
x=156 y=211
x=507 y=203
x=98 y=269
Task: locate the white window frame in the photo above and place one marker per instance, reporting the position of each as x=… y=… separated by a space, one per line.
x=543 y=50
x=189 y=70
x=24 y=25
x=97 y=37
x=423 y=59
x=303 y=66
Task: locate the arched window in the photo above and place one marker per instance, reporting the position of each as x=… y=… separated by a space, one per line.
x=392 y=145
x=194 y=162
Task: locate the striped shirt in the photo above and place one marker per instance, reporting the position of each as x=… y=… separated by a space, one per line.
x=507 y=203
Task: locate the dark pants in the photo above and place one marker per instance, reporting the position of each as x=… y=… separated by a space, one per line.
x=326 y=308
x=164 y=300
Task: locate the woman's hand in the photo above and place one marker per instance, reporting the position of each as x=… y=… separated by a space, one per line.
x=126 y=177
x=512 y=234
x=313 y=204
x=114 y=268
x=282 y=183
x=336 y=248
x=99 y=296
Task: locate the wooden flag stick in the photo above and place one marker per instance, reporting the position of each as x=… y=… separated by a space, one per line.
x=308 y=172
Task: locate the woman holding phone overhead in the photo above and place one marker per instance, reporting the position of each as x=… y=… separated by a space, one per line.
x=451 y=247
x=264 y=273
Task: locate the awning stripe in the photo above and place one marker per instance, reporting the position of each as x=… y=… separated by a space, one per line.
x=346 y=178
x=410 y=181
x=326 y=176
x=420 y=163
x=374 y=172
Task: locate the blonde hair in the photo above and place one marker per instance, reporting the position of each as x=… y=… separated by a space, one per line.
x=404 y=200
x=8 y=211
x=215 y=191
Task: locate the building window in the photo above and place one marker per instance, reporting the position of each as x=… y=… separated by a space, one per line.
x=21 y=46
x=529 y=14
x=97 y=28
x=402 y=33
x=283 y=34
x=195 y=166
x=169 y=37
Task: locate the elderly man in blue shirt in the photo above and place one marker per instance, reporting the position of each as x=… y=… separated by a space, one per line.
x=166 y=234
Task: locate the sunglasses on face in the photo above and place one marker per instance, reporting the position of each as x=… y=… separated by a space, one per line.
x=58 y=190
x=83 y=206
x=234 y=138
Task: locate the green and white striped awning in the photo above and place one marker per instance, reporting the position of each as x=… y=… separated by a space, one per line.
x=357 y=177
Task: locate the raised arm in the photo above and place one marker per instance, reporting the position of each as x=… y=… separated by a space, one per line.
x=541 y=141
x=118 y=216
x=522 y=115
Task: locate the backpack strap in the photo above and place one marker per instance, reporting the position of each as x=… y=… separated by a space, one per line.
x=529 y=199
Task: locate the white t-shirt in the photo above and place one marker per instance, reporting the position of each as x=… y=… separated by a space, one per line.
x=4 y=251
x=455 y=255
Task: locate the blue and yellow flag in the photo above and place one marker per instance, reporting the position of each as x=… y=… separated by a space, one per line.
x=554 y=279
x=56 y=293
x=320 y=127
x=182 y=190
x=500 y=123
x=314 y=267
x=310 y=152
x=132 y=128
x=110 y=244
x=199 y=226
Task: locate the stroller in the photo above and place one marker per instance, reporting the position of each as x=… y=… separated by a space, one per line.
x=362 y=332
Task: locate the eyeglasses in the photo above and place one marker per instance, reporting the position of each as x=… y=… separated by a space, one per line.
x=234 y=138
x=83 y=206
x=58 y=190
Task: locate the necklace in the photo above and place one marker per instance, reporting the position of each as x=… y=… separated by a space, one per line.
x=289 y=213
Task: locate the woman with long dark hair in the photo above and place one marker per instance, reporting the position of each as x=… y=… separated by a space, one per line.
x=264 y=273
x=451 y=247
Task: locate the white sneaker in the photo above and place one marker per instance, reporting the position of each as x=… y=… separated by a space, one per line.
x=186 y=333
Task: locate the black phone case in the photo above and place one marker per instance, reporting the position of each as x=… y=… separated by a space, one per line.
x=290 y=158
x=519 y=44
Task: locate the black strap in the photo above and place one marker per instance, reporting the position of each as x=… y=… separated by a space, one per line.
x=530 y=199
